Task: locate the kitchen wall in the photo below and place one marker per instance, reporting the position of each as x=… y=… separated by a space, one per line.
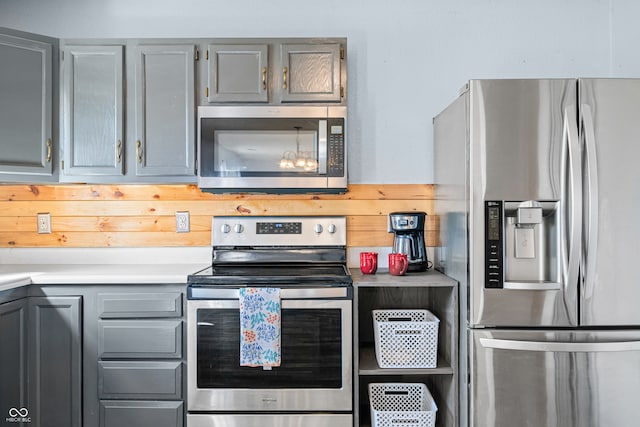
x=103 y=216
x=407 y=60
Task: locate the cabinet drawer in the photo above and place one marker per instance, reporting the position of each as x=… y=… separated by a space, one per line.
x=126 y=305
x=139 y=380
x=140 y=339
x=141 y=414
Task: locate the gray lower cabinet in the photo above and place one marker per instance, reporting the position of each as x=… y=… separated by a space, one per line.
x=141 y=339
x=140 y=379
x=28 y=65
x=55 y=361
x=94 y=355
x=41 y=361
x=13 y=358
x=141 y=414
x=140 y=355
x=128 y=112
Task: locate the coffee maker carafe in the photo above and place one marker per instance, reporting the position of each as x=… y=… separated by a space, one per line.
x=408 y=228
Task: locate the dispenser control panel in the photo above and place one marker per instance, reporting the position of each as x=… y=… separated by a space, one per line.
x=494 y=239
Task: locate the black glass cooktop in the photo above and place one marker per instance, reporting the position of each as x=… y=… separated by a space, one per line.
x=271 y=274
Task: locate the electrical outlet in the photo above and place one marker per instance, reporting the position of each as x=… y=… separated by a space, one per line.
x=182 y=222
x=44 y=223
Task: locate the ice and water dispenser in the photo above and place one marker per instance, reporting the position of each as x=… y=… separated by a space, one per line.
x=521 y=244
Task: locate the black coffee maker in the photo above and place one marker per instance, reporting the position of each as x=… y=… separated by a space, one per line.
x=408 y=228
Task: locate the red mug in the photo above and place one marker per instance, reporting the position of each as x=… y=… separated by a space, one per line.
x=398 y=264
x=368 y=262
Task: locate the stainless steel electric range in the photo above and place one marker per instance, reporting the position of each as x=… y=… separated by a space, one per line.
x=305 y=258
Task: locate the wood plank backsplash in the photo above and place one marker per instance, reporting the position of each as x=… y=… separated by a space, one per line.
x=144 y=215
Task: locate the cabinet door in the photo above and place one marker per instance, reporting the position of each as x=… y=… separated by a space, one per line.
x=25 y=107
x=92 y=110
x=55 y=382
x=310 y=72
x=238 y=73
x=13 y=357
x=165 y=110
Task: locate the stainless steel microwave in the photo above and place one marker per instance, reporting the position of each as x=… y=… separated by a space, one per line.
x=272 y=149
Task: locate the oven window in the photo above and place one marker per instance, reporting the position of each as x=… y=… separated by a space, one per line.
x=311 y=351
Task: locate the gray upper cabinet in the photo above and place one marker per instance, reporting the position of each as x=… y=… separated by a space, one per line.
x=151 y=88
x=26 y=107
x=311 y=72
x=275 y=71
x=165 y=110
x=92 y=110
x=238 y=73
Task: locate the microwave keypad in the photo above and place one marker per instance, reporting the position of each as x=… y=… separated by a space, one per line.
x=335 y=160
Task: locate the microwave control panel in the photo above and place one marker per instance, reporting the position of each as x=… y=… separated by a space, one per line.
x=336 y=147
x=494 y=237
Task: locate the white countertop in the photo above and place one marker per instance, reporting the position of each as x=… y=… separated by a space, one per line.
x=103 y=266
x=16 y=275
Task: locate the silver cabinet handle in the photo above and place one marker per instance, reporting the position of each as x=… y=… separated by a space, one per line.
x=119 y=151
x=48 y=150
x=558 y=346
x=139 y=151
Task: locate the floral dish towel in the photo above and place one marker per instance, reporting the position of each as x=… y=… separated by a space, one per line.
x=260 y=327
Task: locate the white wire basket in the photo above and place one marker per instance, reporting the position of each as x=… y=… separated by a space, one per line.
x=401 y=405
x=406 y=338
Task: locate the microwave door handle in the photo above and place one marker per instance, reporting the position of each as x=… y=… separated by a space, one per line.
x=322 y=147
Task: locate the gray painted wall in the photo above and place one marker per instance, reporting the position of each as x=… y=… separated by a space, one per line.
x=407 y=59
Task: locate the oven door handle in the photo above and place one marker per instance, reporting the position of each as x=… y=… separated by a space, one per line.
x=205 y=324
x=213 y=293
x=217 y=304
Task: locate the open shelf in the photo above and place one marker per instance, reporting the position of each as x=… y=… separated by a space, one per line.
x=432 y=291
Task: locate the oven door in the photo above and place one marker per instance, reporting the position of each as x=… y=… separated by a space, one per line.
x=316 y=368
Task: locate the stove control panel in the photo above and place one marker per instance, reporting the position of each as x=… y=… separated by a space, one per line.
x=279 y=231
x=279 y=227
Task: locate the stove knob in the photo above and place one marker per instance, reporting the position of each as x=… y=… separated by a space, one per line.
x=238 y=228
x=318 y=228
x=331 y=228
x=225 y=228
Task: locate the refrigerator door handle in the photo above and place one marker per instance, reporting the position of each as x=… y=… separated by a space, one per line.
x=591 y=214
x=558 y=346
x=571 y=201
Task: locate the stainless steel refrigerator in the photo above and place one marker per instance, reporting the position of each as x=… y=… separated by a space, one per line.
x=538 y=195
